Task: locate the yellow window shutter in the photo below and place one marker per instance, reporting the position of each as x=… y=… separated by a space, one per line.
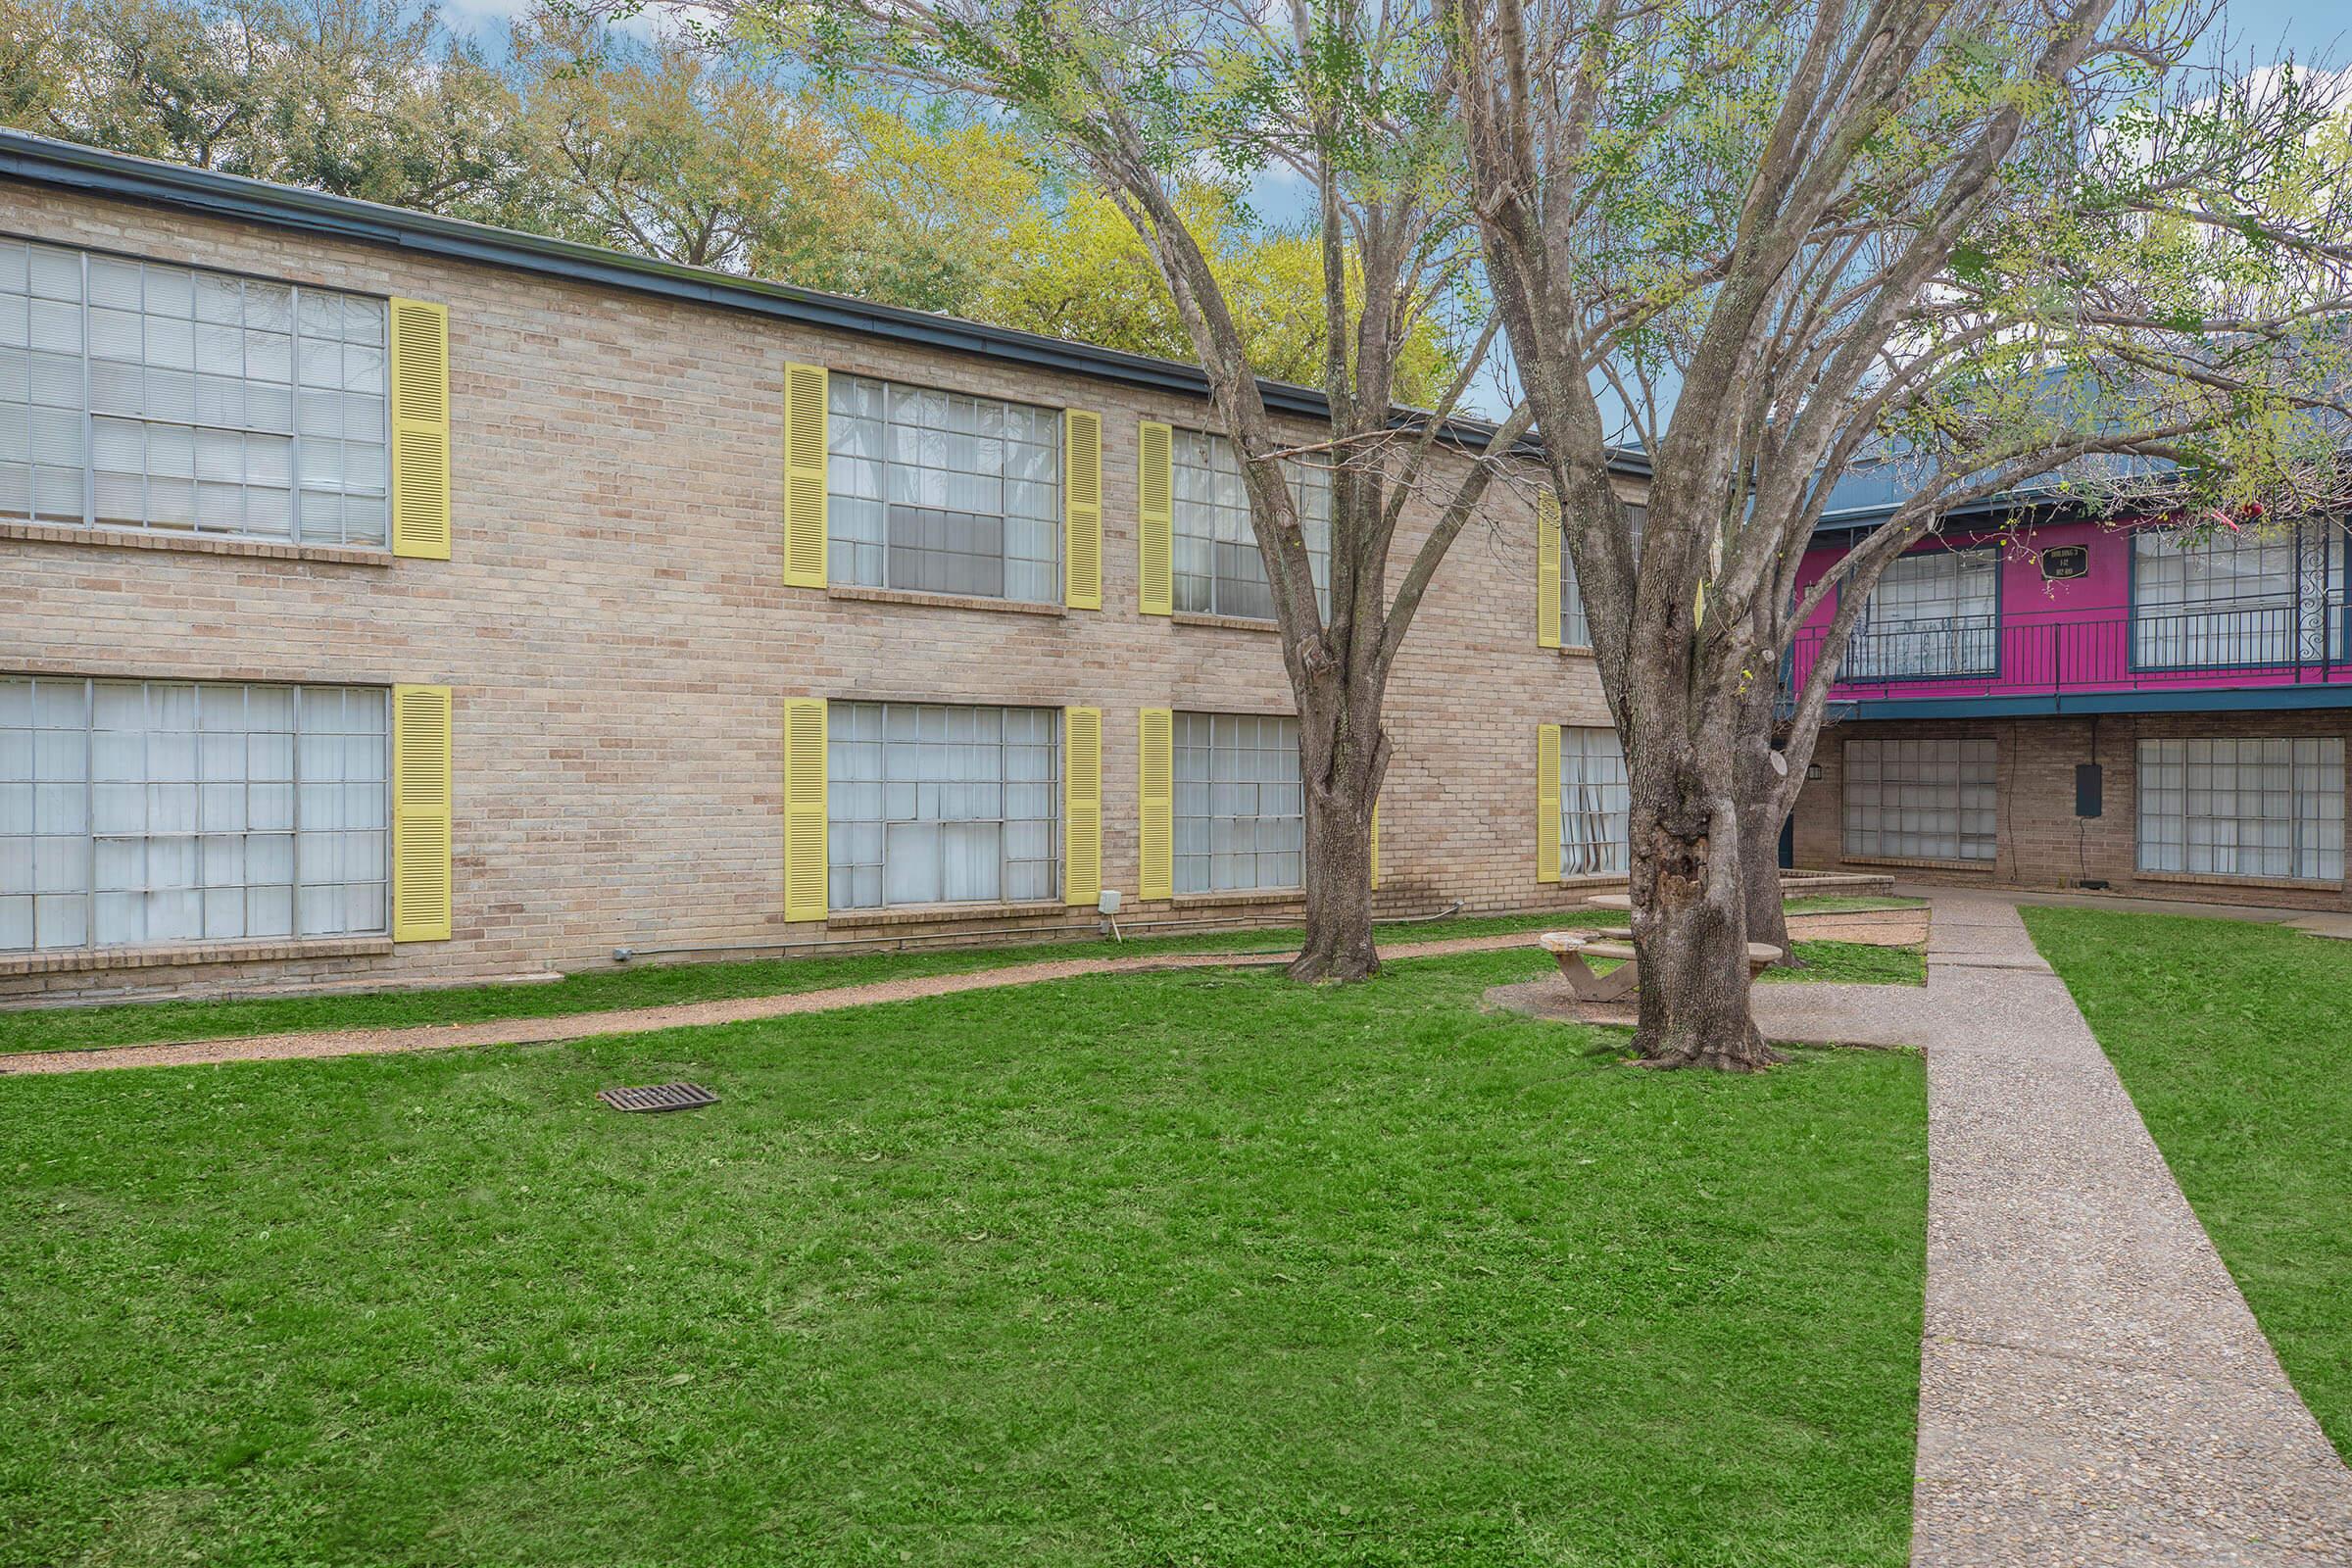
x=1376 y=845
x=1155 y=522
x=1547 y=570
x=1082 y=509
x=420 y=812
x=804 y=867
x=421 y=430
x=1156 y=778
x=805 y=394
x=1081 y=805
x=1547 y=802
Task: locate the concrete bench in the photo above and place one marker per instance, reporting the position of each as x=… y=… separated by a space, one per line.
x=1571 y=949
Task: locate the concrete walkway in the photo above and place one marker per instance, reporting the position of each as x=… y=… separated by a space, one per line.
x=2093 y=1389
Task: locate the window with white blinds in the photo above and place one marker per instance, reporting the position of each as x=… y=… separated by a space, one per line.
x=2244 y=807
x=1576 y=630
x=936 y=492
x=1218 y=570
x=1239 y=813
x=928 y=803
x=2230 y=597
x=143 y=395
x=142 y=812
x=1934 y=612
x=1921 y=800
x=1594 y=802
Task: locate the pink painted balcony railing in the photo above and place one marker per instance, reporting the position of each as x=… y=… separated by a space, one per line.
x=2258 y=643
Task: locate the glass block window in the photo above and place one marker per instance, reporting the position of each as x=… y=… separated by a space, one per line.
x=139 y=395
x=148 y=812
x=1934 y=612
x=1218 y=570
x=935 y=492
x=1240 y=814
x=1593 y=802
x=2244 y=807
x=2224 y=599
x=1576 y=631
x=929 y=804
x=1921 y=800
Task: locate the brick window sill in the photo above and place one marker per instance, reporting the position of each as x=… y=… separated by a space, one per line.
x=935 y=914
x=2214 y=879
x=903 y=596
x=1189 y=617
x=190 y=543
x=83 y=959
x=1924 y=865
x=1210 y=901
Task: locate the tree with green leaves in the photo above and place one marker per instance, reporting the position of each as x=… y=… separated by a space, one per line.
x=672 y=145
x=1989 y=240
x=663 y=148
x=1143 y=103
x=355 y=97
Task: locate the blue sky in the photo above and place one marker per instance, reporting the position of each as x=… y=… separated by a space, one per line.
x=2272 y=29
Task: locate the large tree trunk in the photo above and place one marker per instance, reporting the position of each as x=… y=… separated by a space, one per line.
x=1762 y=788
x=1690 y=921
x=1342 y=777
x=1760 y=818
x=1339 y=885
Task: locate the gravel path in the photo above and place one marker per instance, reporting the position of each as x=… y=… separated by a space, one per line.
x=2093 y=1389
x=679 y=1015
x=1893 y=929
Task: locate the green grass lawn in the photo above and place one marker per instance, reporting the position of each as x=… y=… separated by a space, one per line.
x=2232 y=1039
x=1850 y=904
x=1855 y=964
x=1138 y=1269
x=652 y=984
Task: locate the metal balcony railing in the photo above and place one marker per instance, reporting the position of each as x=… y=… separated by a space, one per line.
x=2242 y=644
x=1924 y=649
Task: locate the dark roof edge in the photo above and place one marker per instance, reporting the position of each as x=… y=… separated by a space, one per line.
x=41 y=160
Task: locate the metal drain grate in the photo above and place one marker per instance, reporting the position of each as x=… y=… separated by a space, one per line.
x=658 y=1097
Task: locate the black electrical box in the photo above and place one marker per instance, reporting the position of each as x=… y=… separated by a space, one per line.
x=2091 y=781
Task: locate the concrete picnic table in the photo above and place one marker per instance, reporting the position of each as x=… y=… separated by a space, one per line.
x=1571 y=949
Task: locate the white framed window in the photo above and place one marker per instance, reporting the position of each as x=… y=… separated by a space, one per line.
x=1934 y=612
x=2244 y=807
x=144 y=395
x=1239 y=813
x=1593 y=802
x=2229 y=597
x=937 y=492
x=1218 y=570
x=937 y=804
x=1576 y=630
x=141 y=812
x=1921 y=800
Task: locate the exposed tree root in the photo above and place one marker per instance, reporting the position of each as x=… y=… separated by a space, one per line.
x=1753 y=1055
x=1314 y=966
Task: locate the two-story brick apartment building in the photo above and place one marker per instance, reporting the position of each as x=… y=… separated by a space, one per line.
x=2036 y=700
x=386 y=600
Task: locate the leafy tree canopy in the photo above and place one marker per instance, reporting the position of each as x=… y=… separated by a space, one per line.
x=679 y=146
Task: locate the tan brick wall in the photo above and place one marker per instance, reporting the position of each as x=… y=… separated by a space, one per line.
x=620 y=642
x=2042 y=843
